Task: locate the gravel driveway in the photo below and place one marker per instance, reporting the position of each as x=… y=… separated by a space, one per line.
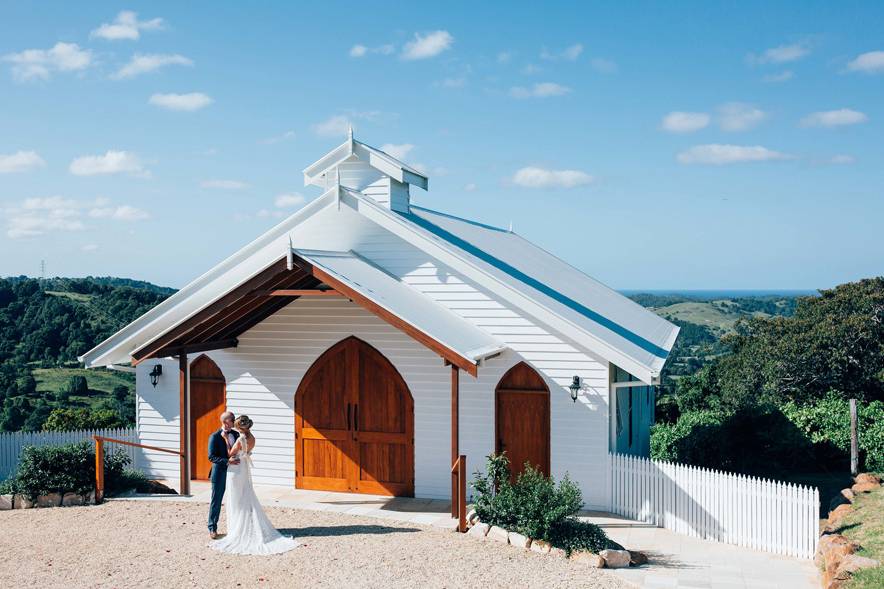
x=140 y=544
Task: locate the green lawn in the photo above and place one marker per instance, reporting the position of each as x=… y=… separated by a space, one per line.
x=720 y=316
x=101 y=381
x=865 y=525
x=74 y=296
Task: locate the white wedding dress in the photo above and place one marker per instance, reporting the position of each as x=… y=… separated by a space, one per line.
x=249 y=531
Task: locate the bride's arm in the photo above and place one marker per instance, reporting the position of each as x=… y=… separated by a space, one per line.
x=234 y=450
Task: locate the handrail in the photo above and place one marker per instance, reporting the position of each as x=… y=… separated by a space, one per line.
x=459 y=499
x=99 y=461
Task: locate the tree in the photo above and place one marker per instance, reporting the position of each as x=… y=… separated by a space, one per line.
x=15 y=411
x=77 y=385
x=74 y=419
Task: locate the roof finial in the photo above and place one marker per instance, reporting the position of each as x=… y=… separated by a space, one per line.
x=350 y=131
x=511 y=225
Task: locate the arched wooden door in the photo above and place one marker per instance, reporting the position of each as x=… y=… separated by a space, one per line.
x=207 y=402
x=522 y=419
x=354 y=424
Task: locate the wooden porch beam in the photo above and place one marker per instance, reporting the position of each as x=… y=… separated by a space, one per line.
x=184 y=423
x=455 y=436
x=297 y=293
x=197 y=347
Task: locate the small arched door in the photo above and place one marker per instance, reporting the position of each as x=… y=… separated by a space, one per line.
x=207 y=402
x=354 y=424
x=522 y=419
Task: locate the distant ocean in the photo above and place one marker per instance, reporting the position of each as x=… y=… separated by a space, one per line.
x=722 y=294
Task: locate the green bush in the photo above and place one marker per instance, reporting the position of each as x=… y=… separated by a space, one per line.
x=534 y=506
x=63 y=420
x=69 y=468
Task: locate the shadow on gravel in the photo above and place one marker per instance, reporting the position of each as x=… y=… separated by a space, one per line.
x=343 y=531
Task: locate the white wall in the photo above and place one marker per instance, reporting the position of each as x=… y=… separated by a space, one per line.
x=157 y=417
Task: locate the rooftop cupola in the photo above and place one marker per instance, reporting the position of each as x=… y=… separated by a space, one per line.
x=369 y=170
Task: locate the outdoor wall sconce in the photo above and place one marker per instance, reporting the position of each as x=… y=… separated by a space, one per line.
x=575 y=387
x=155 y=373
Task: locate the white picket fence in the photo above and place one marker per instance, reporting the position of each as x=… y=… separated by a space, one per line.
x=747 y=511
x=12 y=443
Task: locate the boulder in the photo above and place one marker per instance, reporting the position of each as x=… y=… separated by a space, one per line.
x=864 y=487
x=498 y=534
x=848 y=494
x=472 y=517
x=540 y=546
x=616 y=559
x=557 y=552
x=519 y=540
x=831 y=544
x=479 y=530
x=837 y=514
x=6 y=502
x=50 y=500
x=22 y=502
x=867 y=477
x=590 y=558
x=70 y=499
x=637 y=558
x=852 y=563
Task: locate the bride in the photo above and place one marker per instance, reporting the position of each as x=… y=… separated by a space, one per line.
x=248 y=529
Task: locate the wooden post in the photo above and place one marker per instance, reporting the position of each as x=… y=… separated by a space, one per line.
x=455 y=436
x=854 y=440
x=184 y=413
x=462 y=495
x=99 y=469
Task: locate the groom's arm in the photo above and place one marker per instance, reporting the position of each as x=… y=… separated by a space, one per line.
x=216 y=456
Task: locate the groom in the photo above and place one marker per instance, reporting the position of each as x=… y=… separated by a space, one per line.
x=218 y=444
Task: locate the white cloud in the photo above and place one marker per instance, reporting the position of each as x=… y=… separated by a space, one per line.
x=182 y=102
x=842 y=159
x=224 y=184
x=604 y=66
x=143 y=63
x=400 y=151
x=112 y=162
x=334 y=126
x=504 y=57
x=535 y=177
x=126 y=27
x=288 y=201
x=469 y=187
x=427 y=45
x=20 y=161
x=717 y=154
x=453 y=82
x=531 y=69
x=120 y=213
x=569 y=53
x=34 y=64
x=684 y=122
x=737 y=116
x=362 y=50
x=783 y=76
x=782 y=53
x=871 y=62
x=358 y=51
x=541 y=90
x=279 y=138
x=89 y=247
x=834 y=118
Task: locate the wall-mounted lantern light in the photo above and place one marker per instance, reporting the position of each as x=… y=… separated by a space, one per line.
x=155 y=373
x=575 y=387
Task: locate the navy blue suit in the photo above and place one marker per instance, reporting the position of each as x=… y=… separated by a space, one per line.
x=218 y=458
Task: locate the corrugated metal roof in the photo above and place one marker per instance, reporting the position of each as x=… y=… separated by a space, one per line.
x=406 y=303
x=599 y=310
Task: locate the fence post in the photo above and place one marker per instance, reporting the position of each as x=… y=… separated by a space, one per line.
x=462 y=495
x=99 y=469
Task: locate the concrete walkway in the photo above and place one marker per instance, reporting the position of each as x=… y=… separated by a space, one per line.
x=676 y=561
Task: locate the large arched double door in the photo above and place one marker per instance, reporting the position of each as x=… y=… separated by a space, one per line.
x=354 y=424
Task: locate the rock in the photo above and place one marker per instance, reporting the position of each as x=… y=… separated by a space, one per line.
x=479 y=530
x=839 y=512
x=70 y=499
x=831 y=544
x=848 y=494
x=864 y=487
x=22 y=502
x=557 y=552
x=592 y=559
x=50 y=500
x=852 y=563
x=519 y=540
x=867 y=477
x=498 y=534
x=6 y=502
x=540 y=546
x=472 y=517
x=637 y=558
x=616 y=559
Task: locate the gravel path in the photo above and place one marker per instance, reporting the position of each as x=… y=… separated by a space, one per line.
x=140 y=544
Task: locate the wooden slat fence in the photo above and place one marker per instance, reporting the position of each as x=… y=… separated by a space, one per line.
x=12 y=443
x=735 y=509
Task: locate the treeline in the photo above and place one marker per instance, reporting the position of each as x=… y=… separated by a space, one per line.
x=777 y=398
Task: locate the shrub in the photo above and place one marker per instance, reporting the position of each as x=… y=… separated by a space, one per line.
x=62 y=420
x=68 y=469
x=534 y=506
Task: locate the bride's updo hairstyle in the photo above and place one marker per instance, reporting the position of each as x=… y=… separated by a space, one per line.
x=243 y=422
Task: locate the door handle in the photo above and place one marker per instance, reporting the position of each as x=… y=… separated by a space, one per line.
x=356 y=417
x=348 y=416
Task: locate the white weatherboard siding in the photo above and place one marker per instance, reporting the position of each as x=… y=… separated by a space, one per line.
x=157 y=417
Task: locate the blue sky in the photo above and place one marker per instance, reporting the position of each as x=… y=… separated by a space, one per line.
x=655 y=145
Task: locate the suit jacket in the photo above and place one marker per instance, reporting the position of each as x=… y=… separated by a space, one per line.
x=218 y=447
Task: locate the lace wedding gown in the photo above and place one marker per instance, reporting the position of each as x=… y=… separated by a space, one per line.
x=249 y=531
